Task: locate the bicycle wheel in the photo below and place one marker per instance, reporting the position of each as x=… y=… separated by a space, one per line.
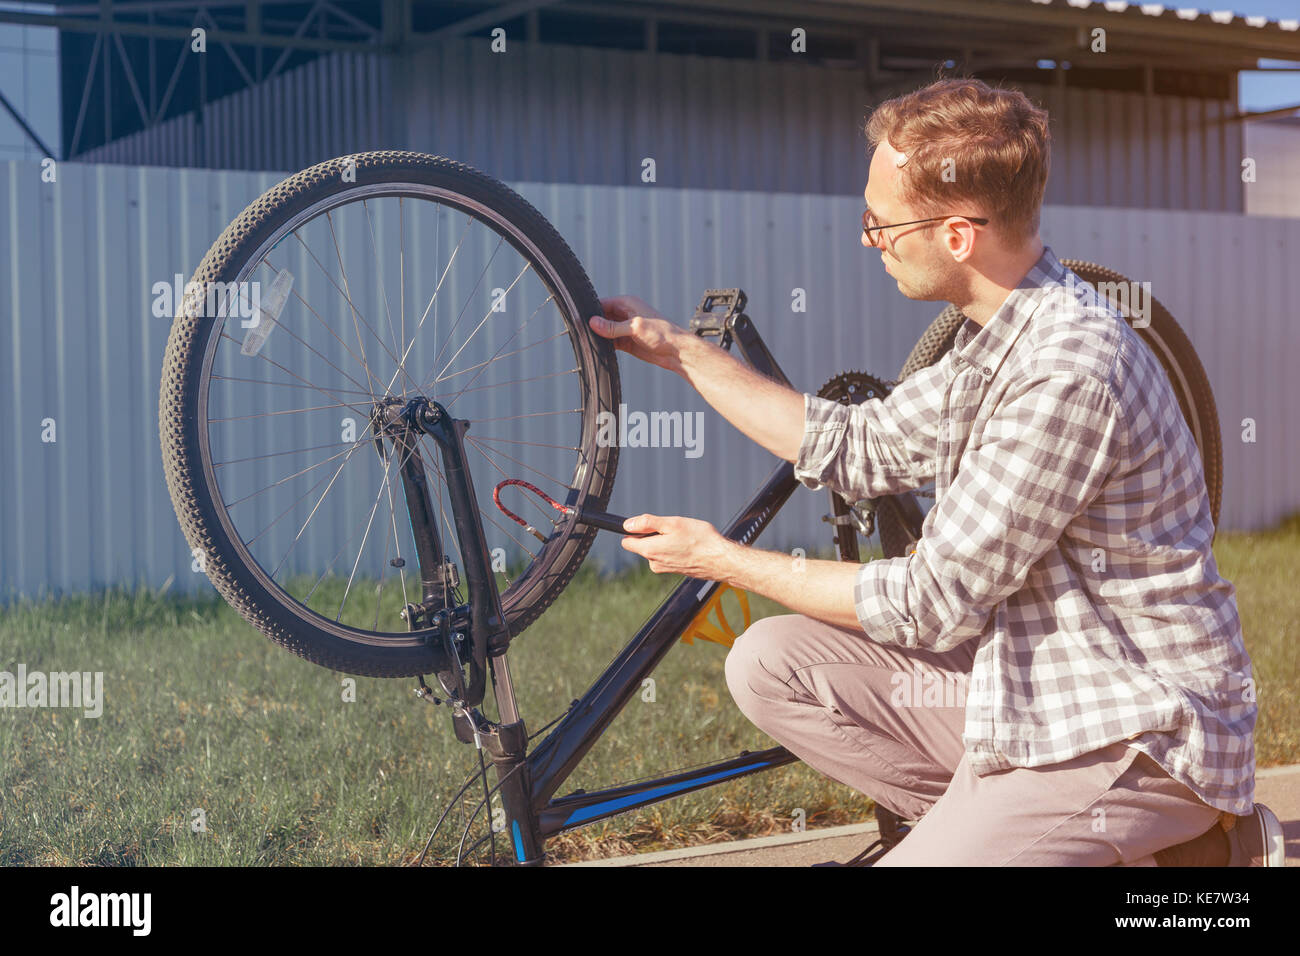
x=361 y=282
x=900 y=527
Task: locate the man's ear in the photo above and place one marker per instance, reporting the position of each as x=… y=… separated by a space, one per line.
x=960 y=250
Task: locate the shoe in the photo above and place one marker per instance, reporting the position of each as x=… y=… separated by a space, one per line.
x=1211 y=848
x=1254 y=839
x=1257 y=839
x=892 y=831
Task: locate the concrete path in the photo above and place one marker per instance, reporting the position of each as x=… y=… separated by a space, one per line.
x=1276 y=787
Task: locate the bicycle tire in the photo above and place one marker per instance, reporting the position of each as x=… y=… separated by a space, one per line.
x=900 y=525
x=261 y=602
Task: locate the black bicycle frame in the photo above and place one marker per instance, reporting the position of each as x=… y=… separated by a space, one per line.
x=528 y=781
x=555 y=758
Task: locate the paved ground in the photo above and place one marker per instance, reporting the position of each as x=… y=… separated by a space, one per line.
x=1277 y=787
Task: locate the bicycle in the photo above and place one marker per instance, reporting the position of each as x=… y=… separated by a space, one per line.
x=239 y=360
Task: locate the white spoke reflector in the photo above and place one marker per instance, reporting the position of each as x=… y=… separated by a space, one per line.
x=268 y=312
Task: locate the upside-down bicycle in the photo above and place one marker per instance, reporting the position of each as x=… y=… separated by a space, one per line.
x=350 y=357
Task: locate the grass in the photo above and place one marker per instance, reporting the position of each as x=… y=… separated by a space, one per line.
x=205 y=720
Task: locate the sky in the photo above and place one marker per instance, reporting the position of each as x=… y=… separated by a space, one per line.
x=1263 y=91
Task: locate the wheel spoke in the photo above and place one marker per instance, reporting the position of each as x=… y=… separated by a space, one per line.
x=534 y=444
x=521 y=464
x=286 y=411
x=469 y=221
x=387 y=464
x=453 y=398
x=460 y=315
x=517 y=381
x=397 y=545
x=379 y=495
x=251 y=541
x=511 y=418
x=506 y=355
x=277 y=454
x=258 y=381
x=347 y=294
x=328 y=328
x=276 y=484
x=487 y=315
x=298 y=536
x=383 y=288
x=264 y=357
x=491 y=519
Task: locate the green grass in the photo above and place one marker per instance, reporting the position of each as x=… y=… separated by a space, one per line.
x=203 y=713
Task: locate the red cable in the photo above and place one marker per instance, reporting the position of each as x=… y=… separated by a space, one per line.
x=496 y=498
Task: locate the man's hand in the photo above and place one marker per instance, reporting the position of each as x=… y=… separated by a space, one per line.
x=682 y=546
x=820 y=589
x=768 y=412
x=636 y=328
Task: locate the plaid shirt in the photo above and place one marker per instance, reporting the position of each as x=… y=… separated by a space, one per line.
x=1070 y=537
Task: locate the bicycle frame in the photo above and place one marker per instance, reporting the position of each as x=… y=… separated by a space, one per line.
x=528 y=781
x=546 y=767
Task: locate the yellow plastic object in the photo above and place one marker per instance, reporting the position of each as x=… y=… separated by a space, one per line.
x=721 y=632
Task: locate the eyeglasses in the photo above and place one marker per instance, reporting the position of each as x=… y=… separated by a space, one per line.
x=869 y=228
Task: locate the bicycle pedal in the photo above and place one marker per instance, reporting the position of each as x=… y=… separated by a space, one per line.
x=708 y=321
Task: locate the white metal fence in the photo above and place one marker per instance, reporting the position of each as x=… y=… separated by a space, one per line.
x=82 y=349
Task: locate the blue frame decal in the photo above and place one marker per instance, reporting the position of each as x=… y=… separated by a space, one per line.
x=647 y=796
x=519 y=840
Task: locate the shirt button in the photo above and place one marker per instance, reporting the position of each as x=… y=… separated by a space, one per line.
x=986 y=371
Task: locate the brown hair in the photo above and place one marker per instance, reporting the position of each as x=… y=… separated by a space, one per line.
x=966 y=140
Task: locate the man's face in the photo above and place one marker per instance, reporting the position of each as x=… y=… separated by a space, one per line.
x=912 y=255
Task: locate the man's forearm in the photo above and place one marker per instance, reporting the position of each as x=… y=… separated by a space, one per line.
x=768 y=412
x=822 y=590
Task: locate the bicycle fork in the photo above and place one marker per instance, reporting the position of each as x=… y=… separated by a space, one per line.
x=505 y=742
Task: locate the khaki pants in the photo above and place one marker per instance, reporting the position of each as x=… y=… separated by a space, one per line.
x=887 y=721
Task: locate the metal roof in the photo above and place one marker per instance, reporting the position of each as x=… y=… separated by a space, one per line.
x=127 y=64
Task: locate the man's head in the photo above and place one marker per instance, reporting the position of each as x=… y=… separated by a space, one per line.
x=957 y=148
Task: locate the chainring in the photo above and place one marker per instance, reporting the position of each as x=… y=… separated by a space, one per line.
x=850 y=519
x=854 y=388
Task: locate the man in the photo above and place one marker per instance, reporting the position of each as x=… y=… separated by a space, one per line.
x=1065 y=568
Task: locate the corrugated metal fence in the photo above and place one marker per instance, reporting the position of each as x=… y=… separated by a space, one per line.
x=79 y=257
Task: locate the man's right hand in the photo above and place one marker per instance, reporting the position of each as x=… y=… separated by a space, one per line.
x=636 y=328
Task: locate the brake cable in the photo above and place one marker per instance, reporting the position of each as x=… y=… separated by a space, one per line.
x=597 y=519
x=496 y=498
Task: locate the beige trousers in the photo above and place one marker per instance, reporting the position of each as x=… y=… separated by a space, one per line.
x=887 y=721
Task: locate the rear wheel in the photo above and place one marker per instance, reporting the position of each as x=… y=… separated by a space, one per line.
x=362 y=283
x=900 y=525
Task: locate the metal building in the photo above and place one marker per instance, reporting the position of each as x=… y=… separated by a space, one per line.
x=725 y=94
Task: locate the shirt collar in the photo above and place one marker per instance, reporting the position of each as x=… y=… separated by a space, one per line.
x=985 y=348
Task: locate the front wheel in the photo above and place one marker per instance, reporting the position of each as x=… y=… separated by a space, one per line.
x=362 y=285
